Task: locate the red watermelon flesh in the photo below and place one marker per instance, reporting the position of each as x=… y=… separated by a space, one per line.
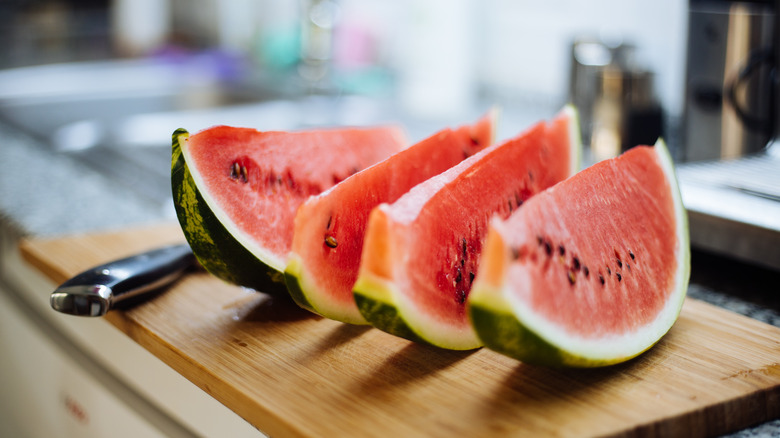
x=329 y=228
x=421 y=253
x=590 y=272
x=255 y=181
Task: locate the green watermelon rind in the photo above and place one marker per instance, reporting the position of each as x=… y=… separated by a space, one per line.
x=379 y=304
x=509 y=329
x=374 y=299
x=499 y=330
x=292 y=277
x=297 y=283
x=385 y=309
x=216 y=249
x=509 y=337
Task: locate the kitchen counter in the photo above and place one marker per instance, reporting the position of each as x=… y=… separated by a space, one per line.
x=46 y=194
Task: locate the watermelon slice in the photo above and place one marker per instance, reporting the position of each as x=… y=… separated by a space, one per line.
x=591 y=272
x=236 y=191
x=329 y=228
x=421 y=253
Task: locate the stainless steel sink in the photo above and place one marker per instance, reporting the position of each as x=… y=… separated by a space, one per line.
x=118 y=116
x=42 y=99
x=78 y=110
x=135 y=149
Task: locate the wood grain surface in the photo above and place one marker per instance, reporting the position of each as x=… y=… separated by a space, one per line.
x=290 y=373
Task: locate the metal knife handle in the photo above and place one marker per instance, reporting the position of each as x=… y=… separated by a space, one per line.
x=95 y=291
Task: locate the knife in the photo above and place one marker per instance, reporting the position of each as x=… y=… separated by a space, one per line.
x=97 y=290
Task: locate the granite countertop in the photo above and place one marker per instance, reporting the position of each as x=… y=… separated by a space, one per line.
x=45 y=193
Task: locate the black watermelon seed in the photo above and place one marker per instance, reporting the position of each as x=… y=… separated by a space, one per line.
x=586 y=271
x=631 y=254
x=561 y=250
x=575 y=263
x=620 y=264
x=628 y=267
x=540 y=240
x=331 y=241
x=548 y=248
x=601 y=279
x=330 y=222
x=458 y=277
x=609 y=271
x=619 y=277
x=471 y=277
x=465 y=248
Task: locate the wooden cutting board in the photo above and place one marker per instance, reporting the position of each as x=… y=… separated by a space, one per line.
x=290 y=373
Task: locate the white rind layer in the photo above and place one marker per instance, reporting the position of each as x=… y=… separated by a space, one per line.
x=243 y=238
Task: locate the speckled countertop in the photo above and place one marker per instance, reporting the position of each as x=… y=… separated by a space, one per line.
x=47 y=194
x=43 y=193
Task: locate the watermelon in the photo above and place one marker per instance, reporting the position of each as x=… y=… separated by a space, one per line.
x=236 y=191
x=329 y=227
x=591 y=272
x=421 y=252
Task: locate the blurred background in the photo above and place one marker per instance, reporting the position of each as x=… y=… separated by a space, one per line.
x=91 y=90
x=105 y=82
x=438 y=59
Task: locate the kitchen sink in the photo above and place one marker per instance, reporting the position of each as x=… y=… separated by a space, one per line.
x=135 y=150
x=42 y=99
x=117 y=117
